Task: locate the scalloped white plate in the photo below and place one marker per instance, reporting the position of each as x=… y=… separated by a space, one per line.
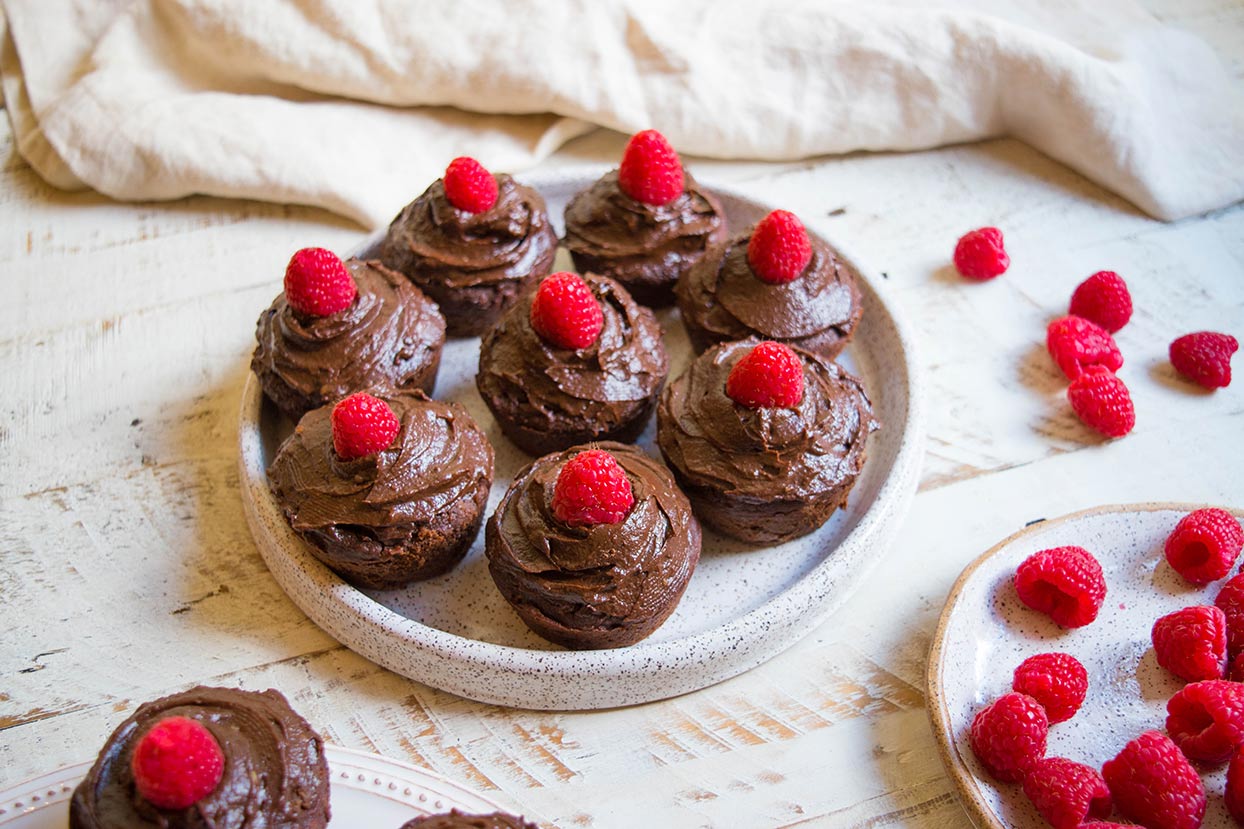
x=985 y=632
x=744 y=604
x=365 y=790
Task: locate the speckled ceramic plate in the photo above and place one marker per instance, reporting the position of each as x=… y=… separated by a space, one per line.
x=366 y=790
x=985 y=632
x=744 y=604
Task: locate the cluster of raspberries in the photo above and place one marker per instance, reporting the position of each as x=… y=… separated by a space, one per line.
x=1153 y=780
x=1083 y=346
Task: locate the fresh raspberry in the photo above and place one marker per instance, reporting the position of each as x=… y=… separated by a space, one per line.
x=979 y=254
x=565 y=312
x=650 y=170
x=1230 y=601
x=1102 y=402
x=1235 y=788
x=1009 y=736
x=1103 y=298
x=1205 y=358
x=1235 y=671
x=1076 y=344
x=363 y=425
x=317 y=283
x=768 y=376
x=1153 y=784
x=592 y=489
x=1065 y=582
x=1066 y=792
x=1205 y=545
x=1192 y=643
x=1206 y=720
x=177 y=763
x=779 y=249
x=1056 y=680
x=1105 y=824
x=469 y=186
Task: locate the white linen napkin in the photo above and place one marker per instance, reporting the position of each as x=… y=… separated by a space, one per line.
x=356 y=105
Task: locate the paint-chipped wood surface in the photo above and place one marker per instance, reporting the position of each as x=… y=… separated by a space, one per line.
x=126 y=570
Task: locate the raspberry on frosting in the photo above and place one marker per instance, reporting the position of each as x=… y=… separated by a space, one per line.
x=1065 y=582
x=363 y=425
x=1103 y=298
x=1077 y=344
x=1204 y=545
x=650 y=171
x=317 y=283
x=1056 y=680
x=779 y=248
x=768 y=376
x=1192 y=643
x=1009 y=736
x=1153 y=784
x=176 y=763
x=591 y=489
x=469 y=186
x=1102 y=402
x=979 y=254
x=565 y=313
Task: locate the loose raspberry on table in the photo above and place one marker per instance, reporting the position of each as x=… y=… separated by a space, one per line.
x=1056 y=680
x=779 y=249
x=1009 y=736
x=1103 y=298
x=469 y=186
x=1204 y=545
x=768 y=376
x=650 y=171
x=565 y=313
x=1206 y=720
x=1205 y=358
x=1192 y=643
x=592 y=488
x=1153 y=784
x=317 y=283
x=1067 y=793
x=1102 y=402
x=176 y=763
x=1065 y=582
x=979 y=254
x=363 y=425
x=1076 y=344
x=1235 y=788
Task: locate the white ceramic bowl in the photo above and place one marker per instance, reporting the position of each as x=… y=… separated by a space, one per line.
x=744 y=604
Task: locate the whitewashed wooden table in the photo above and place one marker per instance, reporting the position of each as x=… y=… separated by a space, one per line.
x=127 y=572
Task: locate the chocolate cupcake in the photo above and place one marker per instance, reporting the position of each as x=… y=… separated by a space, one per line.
x=388 y=489
x=645 y=224
x=593 y=546
x=253 y=760
x=765 y=440
x=775 y=282
x=575 y=360
x=460 y=820
x=472 y=242
x=341 y=327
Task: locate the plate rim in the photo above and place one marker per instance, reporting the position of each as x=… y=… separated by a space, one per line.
x=967 y=784
x=895 y=493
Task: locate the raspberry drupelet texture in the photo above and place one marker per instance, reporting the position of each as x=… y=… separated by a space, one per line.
x=779 y=249
x=469 y=186
x=650 y=171
x=1235 y=788
x=591 y=489
x=1204 y=545
x=1230 y=601
x=1153 y=784
x=769 y=376
x=1009 y=736
x=1103 y=298
x=363 y=425
x=1056 y=680
x=176 y=763
x=1077 y=344
x=1192 y=643
x=317 y=283
x=1102 y=402
x=565 y=313
x=1065 y=582
x=979 y=254
x=1067 y=793
x=1205 y=358
x=1206 y=720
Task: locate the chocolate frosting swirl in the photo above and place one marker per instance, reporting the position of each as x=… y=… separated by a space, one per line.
x=461 y=820
x=593 y=587
x=391 y=335
x=764 y=454
x=646 y=247
x=473 y=264
x=588 y=391
x=722 y=299
x=275 y=775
